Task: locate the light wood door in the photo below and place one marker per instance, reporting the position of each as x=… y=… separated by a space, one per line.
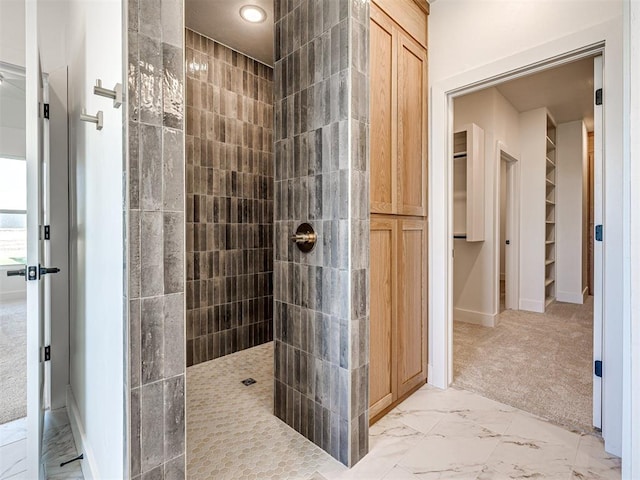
x=412 y=127
x=412 y=305
x=383 y=274
x=382 y=104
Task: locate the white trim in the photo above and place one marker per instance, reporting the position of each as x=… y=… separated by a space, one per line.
x=88 y=463
x=477 y=318
x=571 y=297
x=598 y=247
x=631 y=239
x=531 y=305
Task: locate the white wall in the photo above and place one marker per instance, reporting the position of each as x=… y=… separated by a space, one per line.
x=12 y=31
x=471 y=41
x=12 y=123
x=97 y=246
x=631 y=349
x=571 y=162
x=476 y=291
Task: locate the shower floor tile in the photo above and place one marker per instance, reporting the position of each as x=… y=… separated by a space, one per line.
x=231 y=430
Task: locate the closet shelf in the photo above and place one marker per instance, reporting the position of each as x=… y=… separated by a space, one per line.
x=550 y=183
x=549 y=262
x=548 y=282
x=548 y=222
x=550 y=144
x=548 y=301
x=551 y=162
x=550 y=242
x=459 y=155
x=549 y=202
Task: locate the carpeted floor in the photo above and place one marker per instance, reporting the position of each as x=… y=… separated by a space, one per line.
x=540 y=363
x=13 y=352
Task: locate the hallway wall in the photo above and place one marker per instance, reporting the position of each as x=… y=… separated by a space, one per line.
x=154 y=213
x=229 y=186
x=321 y=177
x=572 y=211
x=475 y=287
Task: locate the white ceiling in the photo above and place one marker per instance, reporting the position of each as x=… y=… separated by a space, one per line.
x=567 y=92
x=221 y=21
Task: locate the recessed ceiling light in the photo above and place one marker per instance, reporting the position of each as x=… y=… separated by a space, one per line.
x=253 y=13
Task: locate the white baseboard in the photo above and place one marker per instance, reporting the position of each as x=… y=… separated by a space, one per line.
x=571 y=297
x=532 y=305
x=88 y=464
x=13 y=296
x=477 y=318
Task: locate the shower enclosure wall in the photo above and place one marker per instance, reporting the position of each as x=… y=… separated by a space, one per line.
x=229 y=185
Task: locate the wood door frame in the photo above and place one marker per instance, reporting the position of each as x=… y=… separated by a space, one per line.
x=512 y=220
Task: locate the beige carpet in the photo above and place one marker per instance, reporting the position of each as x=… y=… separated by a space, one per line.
x=13 y=353
x=540 y=363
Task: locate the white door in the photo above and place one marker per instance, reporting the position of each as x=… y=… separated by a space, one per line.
x=35 y=269
x=511 y=231
x=598 y=244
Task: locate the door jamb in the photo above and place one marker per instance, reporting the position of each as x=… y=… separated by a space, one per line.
x=512 y=174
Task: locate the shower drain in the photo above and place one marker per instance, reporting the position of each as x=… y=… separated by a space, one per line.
x=248 y=381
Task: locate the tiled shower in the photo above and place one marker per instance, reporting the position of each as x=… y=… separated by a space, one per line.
x=243 y=199
x=229 y=200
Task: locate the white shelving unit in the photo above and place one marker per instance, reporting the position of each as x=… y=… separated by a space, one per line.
x=550 y=222
x=468 y=184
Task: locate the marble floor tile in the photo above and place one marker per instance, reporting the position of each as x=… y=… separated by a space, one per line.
x=13 y=431
x=592 y=462
x=455 y=448
x=59 y=446
x=434 y=434
x=13 y=459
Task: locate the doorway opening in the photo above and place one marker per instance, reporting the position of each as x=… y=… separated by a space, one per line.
x=13 y=248
x=521 y=273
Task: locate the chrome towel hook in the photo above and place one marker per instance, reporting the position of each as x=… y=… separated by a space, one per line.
x=115 y=94
x=97 y=119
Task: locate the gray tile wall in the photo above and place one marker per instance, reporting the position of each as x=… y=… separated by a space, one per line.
x=155 y=223
x=229 y=179
x=321 y=176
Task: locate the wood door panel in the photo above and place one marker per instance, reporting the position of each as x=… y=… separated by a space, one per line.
x=412 y=127
x=411 y=320
x=382 y=101
x=383 y=273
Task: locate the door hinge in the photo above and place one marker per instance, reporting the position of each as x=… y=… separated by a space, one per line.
x=598 y=233
x=599 y=96
x=47 y=353
x=598 y=368
x=47 y=232
x=45 y=110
